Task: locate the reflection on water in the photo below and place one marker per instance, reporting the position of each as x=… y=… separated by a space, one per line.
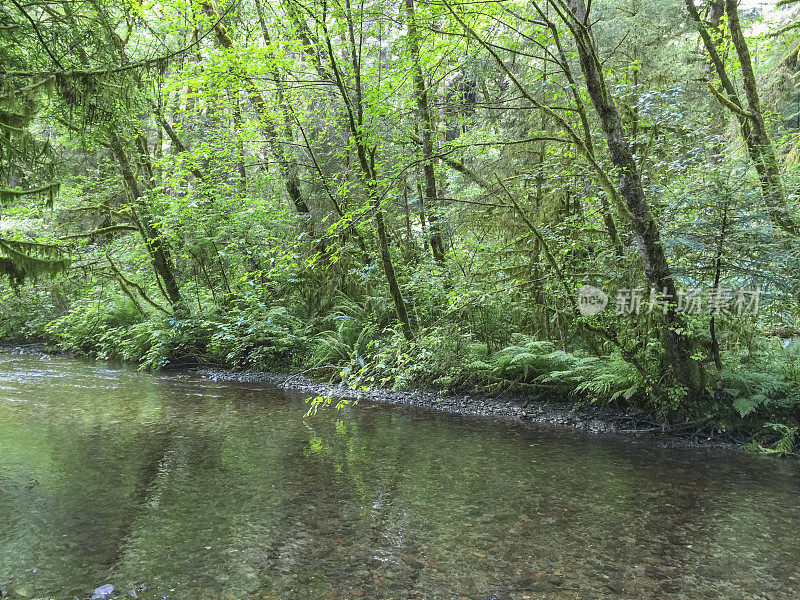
x=217 y=490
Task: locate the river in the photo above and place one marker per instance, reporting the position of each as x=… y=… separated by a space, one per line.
x=212 y=490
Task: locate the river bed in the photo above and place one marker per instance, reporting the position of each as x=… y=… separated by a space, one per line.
x=222 y=490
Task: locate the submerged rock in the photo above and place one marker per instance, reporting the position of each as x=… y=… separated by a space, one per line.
x=132 y=593
x=412 y=562
x=104 y=592
x=34 y=570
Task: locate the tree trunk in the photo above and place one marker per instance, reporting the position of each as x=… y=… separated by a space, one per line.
x=366 y=161
x=686 y=370
x=154 y=242
x=240 y=154
x=760 y=146
x=712 y=325
x=426 y=121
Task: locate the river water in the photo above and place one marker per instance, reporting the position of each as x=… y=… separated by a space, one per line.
x=211 y=490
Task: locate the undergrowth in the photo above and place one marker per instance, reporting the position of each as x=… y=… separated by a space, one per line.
x=758 y=389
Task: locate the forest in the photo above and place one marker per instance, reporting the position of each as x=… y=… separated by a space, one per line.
x=595 y=202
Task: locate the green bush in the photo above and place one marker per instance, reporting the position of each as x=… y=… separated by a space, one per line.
x=94 y=326
x=253 y=335
x=763 y=384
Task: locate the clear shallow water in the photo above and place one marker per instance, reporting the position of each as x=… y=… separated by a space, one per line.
x=223 y=491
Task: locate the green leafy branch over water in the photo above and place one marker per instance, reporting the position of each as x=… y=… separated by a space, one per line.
x=318 y=402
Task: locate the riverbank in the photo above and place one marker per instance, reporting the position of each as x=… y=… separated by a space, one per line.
x=518 y=408
x=582 y=416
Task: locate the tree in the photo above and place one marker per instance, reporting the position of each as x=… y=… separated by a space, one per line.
x=749 y=114
x=575 y=18
x=407 y=194
x=426 y=131
x=28 y=167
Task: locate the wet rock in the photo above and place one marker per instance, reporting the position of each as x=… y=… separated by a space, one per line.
x=589 y=418
x=542 y=586
x=165 y=597
x=669 y=587
x=523 y=582
x=104 y=592
x=132 y=593
x=615 y=586
x=357 y=592
x=34 y=570
x=412 y=562
x=144 y=587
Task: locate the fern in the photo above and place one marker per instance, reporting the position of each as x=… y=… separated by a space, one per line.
x=745 y=405
x=772 y=384
x=783 y=446
x=537 y=363
x=349 y=331
x=609 y=379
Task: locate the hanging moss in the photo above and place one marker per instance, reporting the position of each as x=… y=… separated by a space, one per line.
x=21 y=260
x=10 y=269
x=14 y=121
x=50 y=190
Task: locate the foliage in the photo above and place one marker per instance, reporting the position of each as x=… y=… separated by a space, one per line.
x=260 y=337
x=338 y=192
x=766 y=384
x=785 y=440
